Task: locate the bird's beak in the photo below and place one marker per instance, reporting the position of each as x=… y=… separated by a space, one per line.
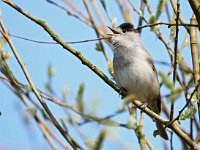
x=114 y=31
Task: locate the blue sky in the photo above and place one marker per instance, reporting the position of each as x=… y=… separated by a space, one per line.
x=70 y=73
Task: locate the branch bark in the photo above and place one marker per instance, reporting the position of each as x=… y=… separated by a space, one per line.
x=195 y=5
x=77 y=54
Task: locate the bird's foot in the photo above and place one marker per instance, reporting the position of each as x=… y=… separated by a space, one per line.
x=143 y=106
x=122 y=90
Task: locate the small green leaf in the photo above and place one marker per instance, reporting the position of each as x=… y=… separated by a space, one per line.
x=160 y=8
x=65 y=93
x=169 y=84
x=79 y=98
x=72 y=119
x=31 y=111
x=110 y=68
x=109 y=122
x=114 y=22
x=98 y=47
x=188 y=114
x=152 y=20
x=183 y=66
x=5 y=55
x=63 y=124
x=140 y=13
x=173 y=28
x=174 y=96
x=176 y=93
x=27 y=87
x=44 y=113
x=90 y=143
x=51 y=71
x=177 y=90
x=100 y=140
x=2 y=41
x=195 y=100
x=94 y=106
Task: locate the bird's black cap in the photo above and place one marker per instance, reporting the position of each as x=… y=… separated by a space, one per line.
x=127 y=27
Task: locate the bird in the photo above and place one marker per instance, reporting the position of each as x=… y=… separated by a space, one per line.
x=134 y=69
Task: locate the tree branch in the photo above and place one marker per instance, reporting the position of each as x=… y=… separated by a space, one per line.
x=35 y=91
x=138 y=104
x=195 y=4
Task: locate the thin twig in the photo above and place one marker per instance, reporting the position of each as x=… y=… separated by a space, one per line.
x=76 y=9
x=195 y=5
x=46 y=42
x=168 y=24
x=69 y=12
x=182 y=21
x=125 y=11
x=36 y=117
x=195 y=56
x=53 y=119
x=141 y=20
x=138 y=104
x=175 y=67
x=95 y=29
x=139 y=13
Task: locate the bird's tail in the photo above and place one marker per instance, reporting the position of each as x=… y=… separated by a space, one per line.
x=161 y=130
x=156 y=107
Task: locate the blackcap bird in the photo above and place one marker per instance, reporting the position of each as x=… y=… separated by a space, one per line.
x=134 y=69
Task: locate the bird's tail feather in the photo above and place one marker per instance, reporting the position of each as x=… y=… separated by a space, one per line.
x=161 y=130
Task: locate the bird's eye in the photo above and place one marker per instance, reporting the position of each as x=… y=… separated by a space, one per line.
x=124 y=31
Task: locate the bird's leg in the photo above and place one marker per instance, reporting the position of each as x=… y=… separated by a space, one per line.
x=122 y=89
x=143 y=106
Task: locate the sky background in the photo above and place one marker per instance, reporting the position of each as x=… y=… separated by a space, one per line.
x=70 y=73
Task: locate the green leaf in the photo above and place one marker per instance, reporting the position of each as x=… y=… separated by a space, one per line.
x=5 y=55
x=109 y=122
x=51 y=71
x=72 y=119
x=177 y=90
x=173 y=28
x=114 y=22
x=65 y=93
x=110 y=68
x=27 y=87
x=79 y=98
x=94 y=106
x=44 y=114
x=100 y=140
x=63 y=124
x=2 y=41
x=90 y=143
x=195 y=100
x=140 y=13
x=183 y=66
x=174 y=96
x=152 y=20
x=31 y=111
x=176 y=93
x=188 y=114
x=169 y=84
x=98 y=47
x=160 y=8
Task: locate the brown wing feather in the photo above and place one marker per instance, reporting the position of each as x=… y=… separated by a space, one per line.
x=150 y=61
